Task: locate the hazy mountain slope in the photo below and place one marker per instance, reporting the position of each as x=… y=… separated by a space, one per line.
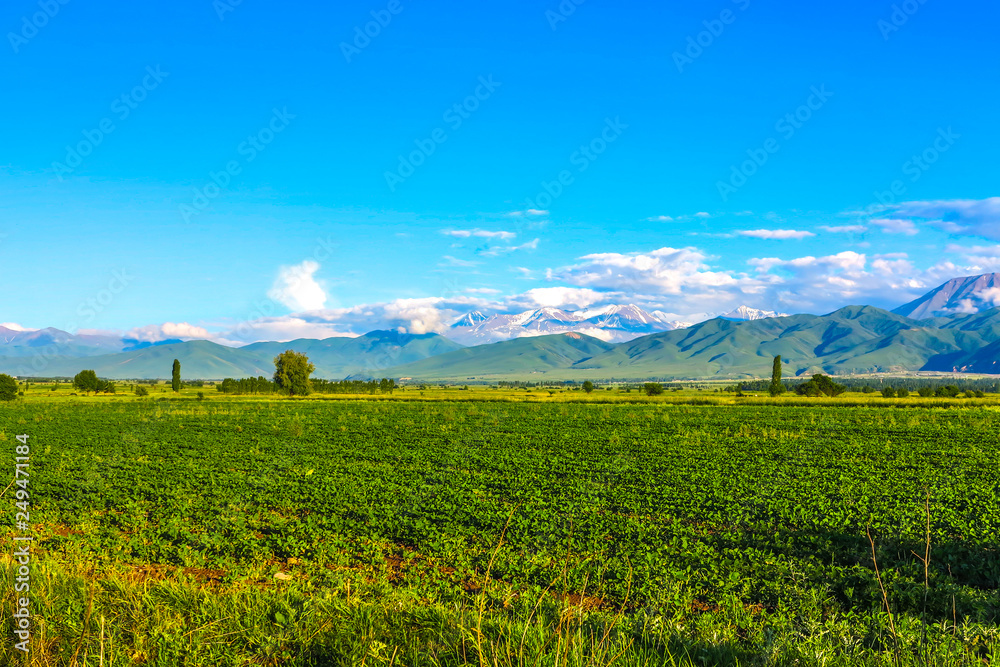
x=334 y=358
x=55 y=342
x=521 y=356
x=199 y=359
x=368 y=354
x=983 y=360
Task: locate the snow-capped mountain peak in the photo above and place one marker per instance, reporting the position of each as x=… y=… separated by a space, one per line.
x=748 y=314
x=470 y=320
x=611 y=323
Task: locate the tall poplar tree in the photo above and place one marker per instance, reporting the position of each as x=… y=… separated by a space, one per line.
x=776 y=388
x=175 y=382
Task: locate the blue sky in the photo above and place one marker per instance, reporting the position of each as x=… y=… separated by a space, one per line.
x=267 y=163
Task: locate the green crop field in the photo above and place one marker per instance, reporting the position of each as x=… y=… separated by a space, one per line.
x=515 y=531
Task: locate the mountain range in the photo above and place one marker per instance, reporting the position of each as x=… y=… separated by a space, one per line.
x=613 y=324
x=952 y=328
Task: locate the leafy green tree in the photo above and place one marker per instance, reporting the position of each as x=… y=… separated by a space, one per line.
x=820 y=385
x=291 y=373
x=8 y=388
x=926 y=392
x=889 y=392
x=776 y=388
x=902 y=393
x=588 y=386
x=141 y=391
x=652 y=388
x=175 y=381
x=87 y=381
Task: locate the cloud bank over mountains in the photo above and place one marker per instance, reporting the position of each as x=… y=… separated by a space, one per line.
x=675 y=283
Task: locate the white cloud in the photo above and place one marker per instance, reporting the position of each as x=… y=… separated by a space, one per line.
x=667 y=271
x=703 y=215
x=777 y=234
x=296 y=287
x=822 y=284
x=562 y=297
x=495 y=251
x=660 y=218
x=967 y=217
x=479 y=233
x=844 y=229
x=981 y=259
x=896 y=226
x=990 y=295
x=534 y=212
x=15 y=327
x=168 y=330
x=453 y=261
x=893 y=267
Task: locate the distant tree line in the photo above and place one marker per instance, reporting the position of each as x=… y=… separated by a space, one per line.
x=247 y=386
x=925 y=387
x=383 y=386
x=261 y=385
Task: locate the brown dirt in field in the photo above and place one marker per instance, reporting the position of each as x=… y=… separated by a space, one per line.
x=154 y=572
x=703 y=607
x=581 y=602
